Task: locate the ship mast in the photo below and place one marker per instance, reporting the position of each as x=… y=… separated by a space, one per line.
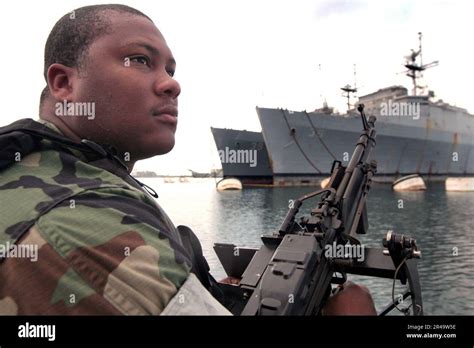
x=348 y=89
x=415 y=69
x=321 y=88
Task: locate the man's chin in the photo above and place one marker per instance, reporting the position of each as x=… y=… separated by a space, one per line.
x=157 y=150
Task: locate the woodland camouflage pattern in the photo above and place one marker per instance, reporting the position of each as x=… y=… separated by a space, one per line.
x=104 y=246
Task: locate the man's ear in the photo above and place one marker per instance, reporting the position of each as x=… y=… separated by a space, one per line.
x=61 y=81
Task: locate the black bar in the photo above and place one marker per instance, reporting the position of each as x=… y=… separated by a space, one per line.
x=134 y=331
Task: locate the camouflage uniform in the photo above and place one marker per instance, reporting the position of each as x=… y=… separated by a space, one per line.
x=104 y=245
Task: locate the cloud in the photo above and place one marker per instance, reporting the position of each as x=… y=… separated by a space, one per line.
x=329 y=8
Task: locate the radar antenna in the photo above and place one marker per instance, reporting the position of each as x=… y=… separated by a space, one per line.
x=415 y=69
x=348 y=89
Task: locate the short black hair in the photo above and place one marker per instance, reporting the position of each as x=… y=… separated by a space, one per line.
x=72 y=35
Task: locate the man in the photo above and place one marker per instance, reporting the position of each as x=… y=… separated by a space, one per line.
x=102 y=245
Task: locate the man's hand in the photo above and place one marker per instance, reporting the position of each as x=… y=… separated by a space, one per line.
x=353 y=299
x=230 y=280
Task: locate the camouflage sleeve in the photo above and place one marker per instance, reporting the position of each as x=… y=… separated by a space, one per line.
x=102 y=252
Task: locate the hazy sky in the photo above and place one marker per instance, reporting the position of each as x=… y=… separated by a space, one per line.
x=234 y=55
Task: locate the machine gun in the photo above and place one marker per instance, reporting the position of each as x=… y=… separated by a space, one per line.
x=292 y=272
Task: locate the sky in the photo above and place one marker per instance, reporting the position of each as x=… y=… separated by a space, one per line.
x=234 y=55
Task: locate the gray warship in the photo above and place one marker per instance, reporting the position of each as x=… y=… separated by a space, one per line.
x=241 y=140
x=415 y=135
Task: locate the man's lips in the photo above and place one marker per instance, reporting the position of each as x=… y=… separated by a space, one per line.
x=166 y=114
x=167 y=118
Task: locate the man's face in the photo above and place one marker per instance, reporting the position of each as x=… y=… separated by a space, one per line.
x=128 y=75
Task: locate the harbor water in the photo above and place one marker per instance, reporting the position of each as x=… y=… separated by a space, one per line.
x=440 y=221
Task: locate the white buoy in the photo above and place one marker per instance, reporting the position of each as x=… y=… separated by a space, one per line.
x=409 y=183
x=459 y=184
x=325 y=182
x=229 y=184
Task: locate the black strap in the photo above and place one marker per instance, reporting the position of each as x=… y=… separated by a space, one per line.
x=200 y=266
x=193 y=246
x=24 y=136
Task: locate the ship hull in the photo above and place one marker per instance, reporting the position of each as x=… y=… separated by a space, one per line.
x=304 y=144
x=243 y=155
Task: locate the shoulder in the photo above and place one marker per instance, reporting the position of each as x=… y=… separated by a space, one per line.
x=105 y=253
x=97 y=236
x=119 y=243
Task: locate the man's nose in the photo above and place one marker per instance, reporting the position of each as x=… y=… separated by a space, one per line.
x=167 y=86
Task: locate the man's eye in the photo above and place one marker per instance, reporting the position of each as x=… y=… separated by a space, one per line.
x=170 y=72
x=143 y=60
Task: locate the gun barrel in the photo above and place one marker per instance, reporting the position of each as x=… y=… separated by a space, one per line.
x=360 y=155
